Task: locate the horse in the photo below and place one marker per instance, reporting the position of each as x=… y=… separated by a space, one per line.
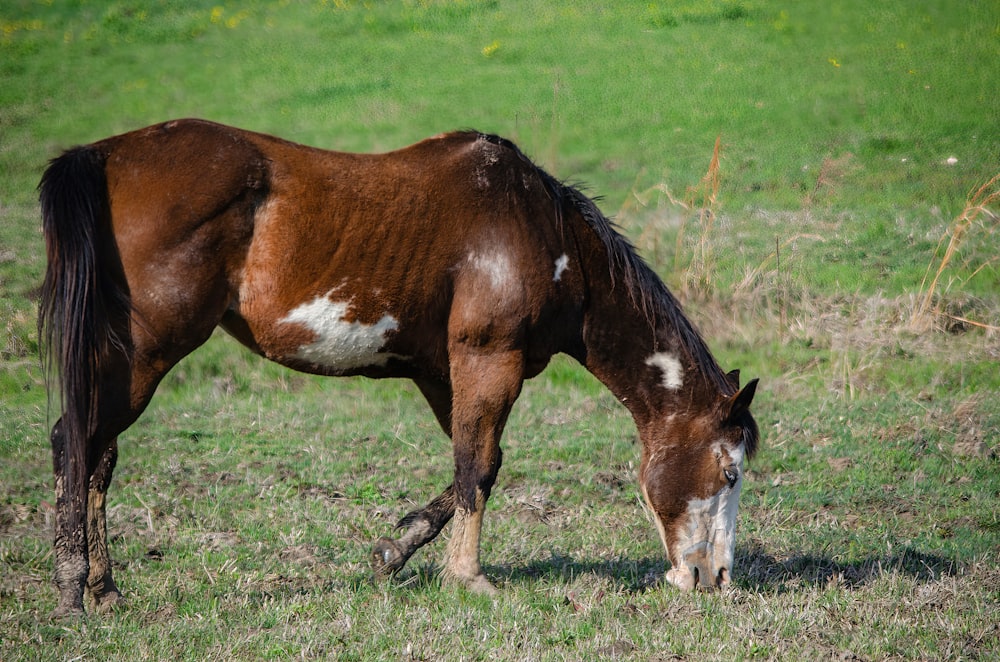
x=455 y=262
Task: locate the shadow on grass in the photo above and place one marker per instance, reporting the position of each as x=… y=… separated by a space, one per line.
x=756 y=570
x=634 y=575
x=759 y=570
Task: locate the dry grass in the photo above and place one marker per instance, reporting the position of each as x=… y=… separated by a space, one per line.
x=976 y=215
x=704 y=199
x=700 y=207
x=831 y=173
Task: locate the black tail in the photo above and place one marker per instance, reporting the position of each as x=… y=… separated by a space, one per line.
x=83 y=299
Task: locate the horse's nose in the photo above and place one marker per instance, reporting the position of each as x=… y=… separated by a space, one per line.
x=708 y=580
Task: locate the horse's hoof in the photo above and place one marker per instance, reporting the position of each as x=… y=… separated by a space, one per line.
x=477 y=584
x=481 y=586
x=108 y=602
x=386 y=558
x=67 y=613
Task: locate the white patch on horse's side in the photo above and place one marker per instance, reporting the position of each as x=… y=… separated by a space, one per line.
x=673 y=371
x=495 y=265
x=561 y=264
x=340 y=344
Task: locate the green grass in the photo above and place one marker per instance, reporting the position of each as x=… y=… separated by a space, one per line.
x=247 y=497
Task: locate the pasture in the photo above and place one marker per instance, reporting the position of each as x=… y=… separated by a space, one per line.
x=832 y=243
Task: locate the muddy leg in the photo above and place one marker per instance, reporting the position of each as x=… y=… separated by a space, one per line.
x=100 y=583
x=81 y=548
x=70 y=548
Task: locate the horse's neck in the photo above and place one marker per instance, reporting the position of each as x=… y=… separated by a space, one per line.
x=643 y=363
x=622 y=354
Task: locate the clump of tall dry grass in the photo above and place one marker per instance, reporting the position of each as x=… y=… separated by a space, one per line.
x=704 y=197
x=775 y=289
x=696 y=267
x=976 y=215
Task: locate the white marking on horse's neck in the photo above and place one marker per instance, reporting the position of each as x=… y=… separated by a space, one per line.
x=673 y=371
x=561 y=264
x=340 y=344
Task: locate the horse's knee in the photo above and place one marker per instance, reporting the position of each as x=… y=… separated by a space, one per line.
x=474 y=478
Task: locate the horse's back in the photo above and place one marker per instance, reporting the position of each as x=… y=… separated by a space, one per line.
x=336 y=262
x=185 y=170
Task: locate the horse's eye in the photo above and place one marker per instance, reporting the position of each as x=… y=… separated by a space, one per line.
x=732 y=474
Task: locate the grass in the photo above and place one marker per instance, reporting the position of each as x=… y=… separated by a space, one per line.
x=852 y=138
x=976 y=219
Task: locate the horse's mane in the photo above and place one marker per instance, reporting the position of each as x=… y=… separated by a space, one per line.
x=646 y=290
x=650 y=295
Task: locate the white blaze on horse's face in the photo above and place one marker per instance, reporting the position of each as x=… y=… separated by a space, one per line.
x=694 y=498
x=341 y=344
x=705 y=538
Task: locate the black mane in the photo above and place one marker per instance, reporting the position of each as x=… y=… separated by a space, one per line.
x=646 y=290
x=650 y=295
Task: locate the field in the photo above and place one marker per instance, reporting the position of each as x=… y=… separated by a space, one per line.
x=839 y=241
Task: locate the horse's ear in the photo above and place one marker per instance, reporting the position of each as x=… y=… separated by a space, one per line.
x=739 y=404
x=733 y=377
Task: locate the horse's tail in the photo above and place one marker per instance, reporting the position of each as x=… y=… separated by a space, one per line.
x=84 y=299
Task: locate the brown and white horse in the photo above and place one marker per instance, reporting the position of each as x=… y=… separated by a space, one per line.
x=454 y=262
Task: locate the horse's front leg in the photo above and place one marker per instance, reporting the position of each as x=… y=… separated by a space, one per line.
x=423 y=524
x=485 y=385
x=419 y=528
x=100 y=582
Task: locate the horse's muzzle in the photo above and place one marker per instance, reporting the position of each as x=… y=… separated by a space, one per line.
x=701 y=567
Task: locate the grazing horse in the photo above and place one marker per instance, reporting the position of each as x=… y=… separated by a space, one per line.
x=454 y=262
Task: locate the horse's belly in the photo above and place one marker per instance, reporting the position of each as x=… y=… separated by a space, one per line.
x=324 y=336
x=341 y=343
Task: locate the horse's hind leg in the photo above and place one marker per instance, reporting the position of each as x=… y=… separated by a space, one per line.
x=70 y=545
x=81 y=550
x=100 y=582
x=423 y=524
x=72 y=566
x=125 y=386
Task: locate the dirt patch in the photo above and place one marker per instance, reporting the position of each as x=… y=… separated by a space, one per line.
x=217 y=541
x=304 y=555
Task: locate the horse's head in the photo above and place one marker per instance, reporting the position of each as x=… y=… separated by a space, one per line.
x=691 y=476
